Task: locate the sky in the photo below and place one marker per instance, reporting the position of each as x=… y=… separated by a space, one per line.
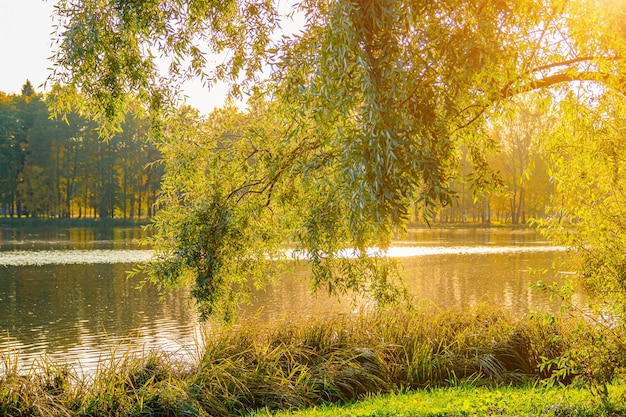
x=26 y=44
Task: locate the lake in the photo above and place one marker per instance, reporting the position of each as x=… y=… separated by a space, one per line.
x=64 y=292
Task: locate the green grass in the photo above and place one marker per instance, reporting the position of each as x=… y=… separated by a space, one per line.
x=471 y=401
x=297 y=365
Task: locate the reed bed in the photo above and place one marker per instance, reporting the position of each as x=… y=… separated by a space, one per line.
x=289 y=365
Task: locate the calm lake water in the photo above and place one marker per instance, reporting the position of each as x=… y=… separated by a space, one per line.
x=64 y=292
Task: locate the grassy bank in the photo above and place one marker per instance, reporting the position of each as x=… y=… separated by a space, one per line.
x=526 y=401
x=308 y=363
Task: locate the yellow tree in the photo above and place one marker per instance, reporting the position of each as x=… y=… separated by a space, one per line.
x=370 y=102
x=518 y=136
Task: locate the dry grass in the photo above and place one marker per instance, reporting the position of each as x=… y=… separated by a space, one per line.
x=292 y=365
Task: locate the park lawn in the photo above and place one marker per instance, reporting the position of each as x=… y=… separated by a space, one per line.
x=473 y=401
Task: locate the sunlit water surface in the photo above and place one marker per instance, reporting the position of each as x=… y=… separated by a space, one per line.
x=64 y=293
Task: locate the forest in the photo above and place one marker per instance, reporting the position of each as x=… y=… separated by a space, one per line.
x=61 y=168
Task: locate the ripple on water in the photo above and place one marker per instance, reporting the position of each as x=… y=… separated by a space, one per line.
x=100 y=349
x=106 y=256
x=418 y=251
x=414 y=251
x=68 y=257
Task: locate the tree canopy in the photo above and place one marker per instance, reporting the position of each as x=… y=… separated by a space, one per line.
x=353 y=119
x=60 y=169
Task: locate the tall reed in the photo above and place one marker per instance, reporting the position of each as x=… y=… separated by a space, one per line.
x=293 y=364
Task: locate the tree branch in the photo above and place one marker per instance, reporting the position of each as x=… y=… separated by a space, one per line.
x=551 y=80
x=473 y=119
x=545 y=82
x=564 y=63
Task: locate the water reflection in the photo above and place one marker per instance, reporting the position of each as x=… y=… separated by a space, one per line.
x=64 y=292
x=78 y=311
x=436 y=275
x=71 y=238
x=501 y=278
x=502 y=236
x=67 y=257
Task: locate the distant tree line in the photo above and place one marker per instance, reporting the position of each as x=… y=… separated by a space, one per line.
x=61 y=168
x=54 y=168
x=525 y=186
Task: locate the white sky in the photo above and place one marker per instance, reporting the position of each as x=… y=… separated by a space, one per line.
x=26 y=44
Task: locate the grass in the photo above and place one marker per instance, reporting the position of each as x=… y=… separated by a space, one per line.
x=317 y=362
x=471 y=401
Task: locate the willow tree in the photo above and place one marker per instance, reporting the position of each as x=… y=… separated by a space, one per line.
x=356 y=116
